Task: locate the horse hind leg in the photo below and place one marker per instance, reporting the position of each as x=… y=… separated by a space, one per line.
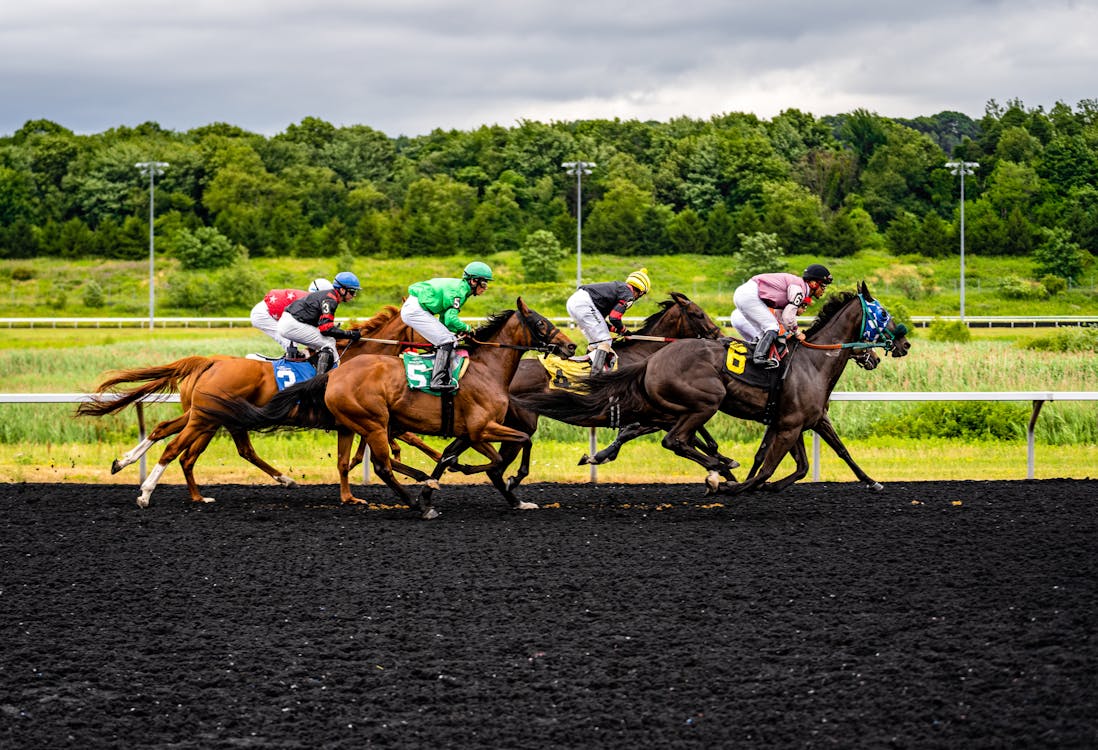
x=177 y=447
x=161 y=431
x=246 y=450
x=187 y=460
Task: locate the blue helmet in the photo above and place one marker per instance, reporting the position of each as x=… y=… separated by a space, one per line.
x=346 y=280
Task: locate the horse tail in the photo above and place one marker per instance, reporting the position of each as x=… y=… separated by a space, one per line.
x=158 y=379
x=591 y=406
x=298 y=406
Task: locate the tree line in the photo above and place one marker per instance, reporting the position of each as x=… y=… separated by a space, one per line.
x=827 y=186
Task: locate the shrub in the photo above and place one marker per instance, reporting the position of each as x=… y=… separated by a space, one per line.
x=204 y=248
x=965 y=420
x=949 y=330
x=1015 y=287
x=541 y=255
x=1053 y=284
x=22 y=273
x=1081 y=339
x=93 y=295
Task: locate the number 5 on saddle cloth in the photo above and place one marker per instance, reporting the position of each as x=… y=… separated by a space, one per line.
x=418 y=368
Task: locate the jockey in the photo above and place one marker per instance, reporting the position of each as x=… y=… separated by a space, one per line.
x=597 y=309
x=267 y=311
x=443 y=297
x=311 y=319
x=781 y=291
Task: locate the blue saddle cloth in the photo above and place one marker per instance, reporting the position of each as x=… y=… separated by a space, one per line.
x=289 y=373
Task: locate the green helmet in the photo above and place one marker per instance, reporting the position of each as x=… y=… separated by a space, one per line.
x=478 y=270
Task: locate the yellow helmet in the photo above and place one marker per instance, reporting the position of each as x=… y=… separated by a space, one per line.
x=639 y=279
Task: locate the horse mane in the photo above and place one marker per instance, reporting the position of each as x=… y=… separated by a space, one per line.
x=375 y=324
x=655 y=317
x=828 y=311
x=491 y=326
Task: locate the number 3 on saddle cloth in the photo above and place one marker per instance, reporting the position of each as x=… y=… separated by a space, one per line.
x=418 y=368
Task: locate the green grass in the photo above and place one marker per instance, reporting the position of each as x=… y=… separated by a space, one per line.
x=921 y=286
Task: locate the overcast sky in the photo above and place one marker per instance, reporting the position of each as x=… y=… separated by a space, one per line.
x=406 y=67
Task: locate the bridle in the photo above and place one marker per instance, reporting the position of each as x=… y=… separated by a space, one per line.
x=874 y=327
x=531 y=322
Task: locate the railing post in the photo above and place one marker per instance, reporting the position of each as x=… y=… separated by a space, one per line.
x=140 y=405
x=593 y=444
x=815 y=457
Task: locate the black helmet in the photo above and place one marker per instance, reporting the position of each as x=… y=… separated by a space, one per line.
x=816 y=272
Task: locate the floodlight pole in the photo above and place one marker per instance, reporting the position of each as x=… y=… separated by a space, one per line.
x=962 y=168
x=579 y=169
x=153 y=168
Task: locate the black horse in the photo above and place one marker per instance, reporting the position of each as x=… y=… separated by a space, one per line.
x=682 y=386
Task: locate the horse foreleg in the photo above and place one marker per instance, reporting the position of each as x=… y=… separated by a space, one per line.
x=772 y=449
x=344 y=440
x=827 y=433
x=161 y=431
x=447 y=458
x=707 y=445
x=246 y=450
x=800 y=456
x=496 y=468
x=680 y=440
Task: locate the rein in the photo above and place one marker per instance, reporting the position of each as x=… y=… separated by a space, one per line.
x=877 y=322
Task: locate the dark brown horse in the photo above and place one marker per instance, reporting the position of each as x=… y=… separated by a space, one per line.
x=369 y=396
x=683 y=385
x=678 y=318
x=198 y=380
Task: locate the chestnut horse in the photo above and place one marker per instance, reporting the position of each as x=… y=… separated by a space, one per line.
x=683 y=385
x=369 y=396
x=197 y=379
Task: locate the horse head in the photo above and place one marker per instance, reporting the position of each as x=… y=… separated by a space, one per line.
x=878 y=325
x=545 y=335
x=681 y=318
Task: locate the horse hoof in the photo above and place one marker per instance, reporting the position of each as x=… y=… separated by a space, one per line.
x=203 y=500
x=285 y=481
x=523 y=505
x=116 y=467
x=351 y=501
x=875 y=487
x=584 y=460
x=430 y=514
x=432 y=483
x=142 y=502
x=712 y=482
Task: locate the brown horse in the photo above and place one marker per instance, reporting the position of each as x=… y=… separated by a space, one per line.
x=678 y=318
x=197 y=379
x=683 y=385
x=369 y=396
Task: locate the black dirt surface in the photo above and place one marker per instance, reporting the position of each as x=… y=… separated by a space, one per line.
x=932 y=615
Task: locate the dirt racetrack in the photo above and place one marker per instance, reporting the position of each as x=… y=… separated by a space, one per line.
x=933 y=614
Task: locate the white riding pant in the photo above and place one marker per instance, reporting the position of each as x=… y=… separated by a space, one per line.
x=424 y=323
x=756 y=315
x=261 y=319
x=294 y=330
x=586 y=316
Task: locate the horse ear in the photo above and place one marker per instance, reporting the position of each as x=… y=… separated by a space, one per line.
x=680 y=298
x=864 y=290
x=522 y=306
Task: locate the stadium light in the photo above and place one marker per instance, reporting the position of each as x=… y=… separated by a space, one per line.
x=962 y=168
x=152 y=168
x=579 y=169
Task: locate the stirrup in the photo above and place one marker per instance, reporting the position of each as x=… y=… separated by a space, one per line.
x=292 y=352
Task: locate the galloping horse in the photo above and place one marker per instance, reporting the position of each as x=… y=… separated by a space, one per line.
x=677 y=318
x=198 y=380
x=684 y=384
x=369 y=396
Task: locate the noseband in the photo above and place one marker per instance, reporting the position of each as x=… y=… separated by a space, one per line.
x=875 y=332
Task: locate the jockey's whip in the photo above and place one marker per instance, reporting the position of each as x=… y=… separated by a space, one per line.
x=641 y=337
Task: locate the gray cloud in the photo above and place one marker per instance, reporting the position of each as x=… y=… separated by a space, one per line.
x=409 y=66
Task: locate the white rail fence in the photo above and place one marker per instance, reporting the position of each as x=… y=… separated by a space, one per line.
x=1037 y=398
x=921 y=321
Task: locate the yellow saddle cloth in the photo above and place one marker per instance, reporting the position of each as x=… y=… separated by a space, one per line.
x=564 y=372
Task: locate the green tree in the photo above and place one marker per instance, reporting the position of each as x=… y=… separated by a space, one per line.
x=616 y=224
x=1059 y=256
x=795 y=216
x=203 y=249
x=541 y=256
x=688 y=233
x=759 y=253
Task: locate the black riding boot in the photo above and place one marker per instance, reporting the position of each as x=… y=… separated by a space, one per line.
x=440 y=376
x=324 y=359
x=762 y=350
